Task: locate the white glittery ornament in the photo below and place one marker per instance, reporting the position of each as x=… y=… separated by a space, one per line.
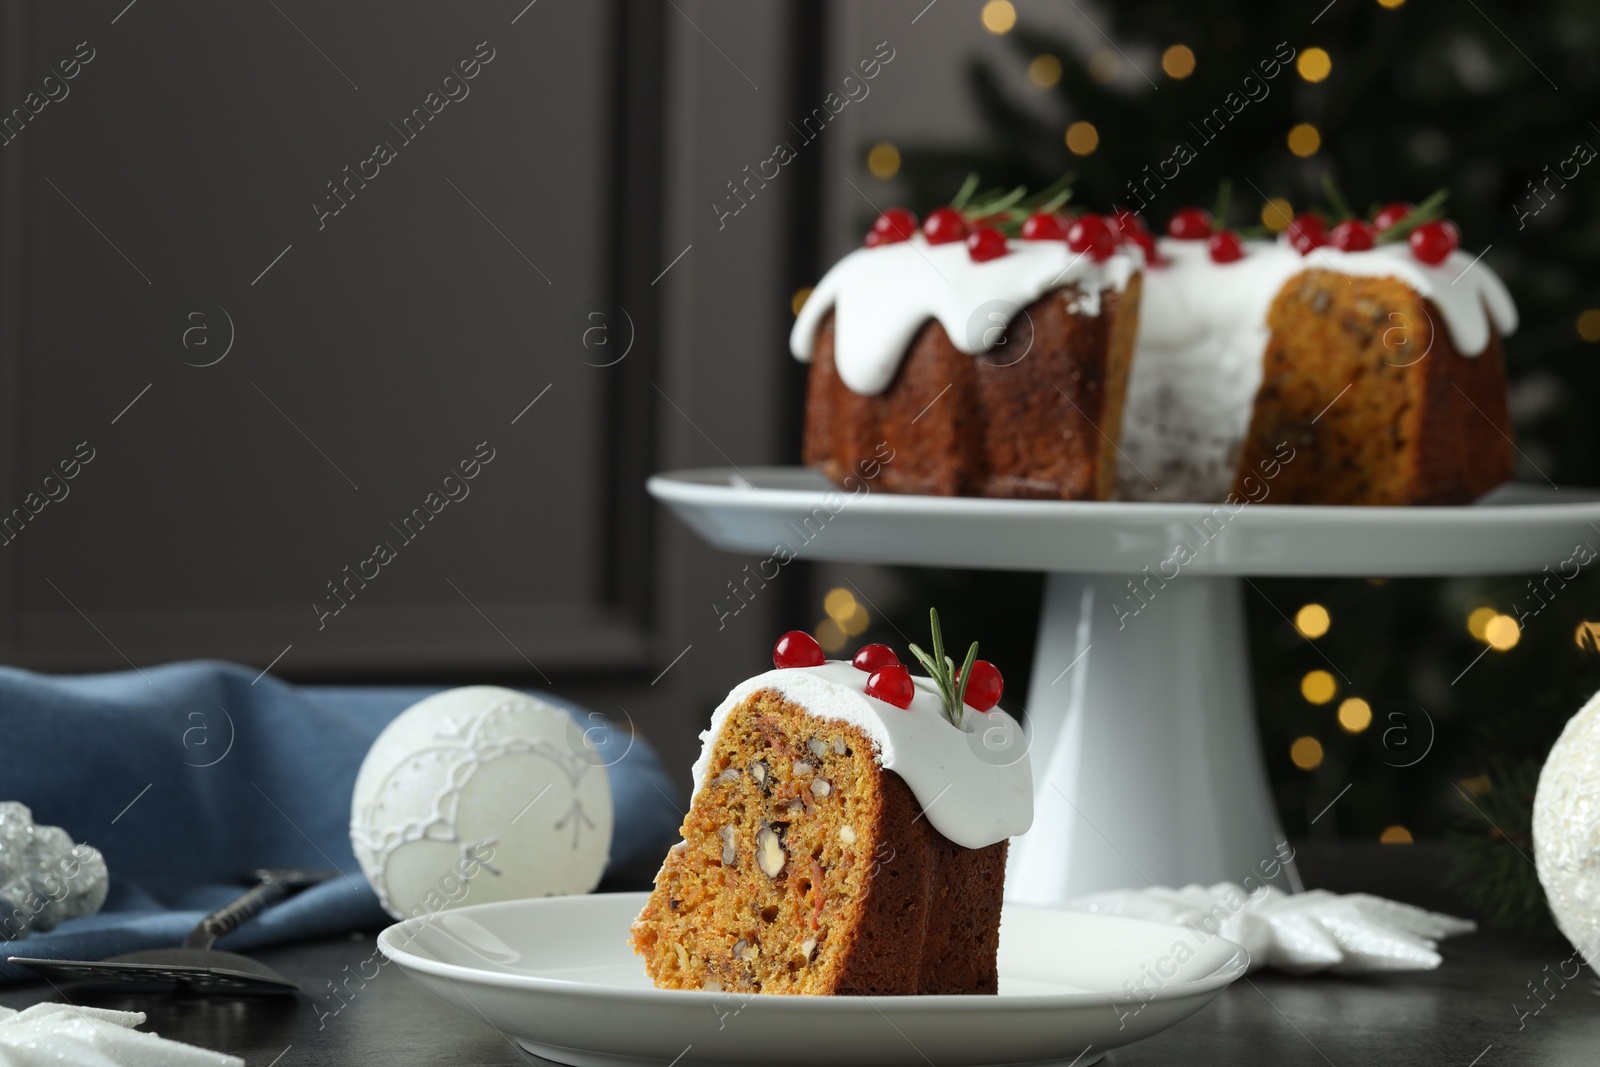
x=44 y=877
x=480 y=794
x=1566 y=831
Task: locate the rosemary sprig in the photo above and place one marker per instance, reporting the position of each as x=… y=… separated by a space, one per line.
x=1219 y=211
x=968 y=187
x=1336 y=200
x=942 y=669
x=1430 y=209
x=1007 y=209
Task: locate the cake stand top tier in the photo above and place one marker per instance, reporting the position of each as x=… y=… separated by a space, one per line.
x=793 y=511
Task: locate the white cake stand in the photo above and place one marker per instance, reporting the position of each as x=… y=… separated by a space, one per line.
x=1146 y=764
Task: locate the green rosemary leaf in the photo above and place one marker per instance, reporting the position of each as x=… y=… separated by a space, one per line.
x=1219 y=213
x=1430 y=209
x=1013 y=197
x=965 y=676
x=1061 y=187
x=933 y=672
x=964 y=194
x=926 y=661
x=1055 y=203
x=1336 y=199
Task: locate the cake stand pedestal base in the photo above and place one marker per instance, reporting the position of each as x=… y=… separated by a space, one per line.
x=1146 y=765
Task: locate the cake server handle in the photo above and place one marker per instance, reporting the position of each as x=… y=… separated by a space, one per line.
x=274 y=884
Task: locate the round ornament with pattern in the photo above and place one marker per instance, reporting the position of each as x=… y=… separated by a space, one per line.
x=1566 y=831
x=480 y=794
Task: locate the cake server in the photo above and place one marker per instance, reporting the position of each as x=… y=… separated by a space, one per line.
x=196 y=965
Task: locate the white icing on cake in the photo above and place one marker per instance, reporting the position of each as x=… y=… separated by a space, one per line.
x=884 y=295
x=974 y=784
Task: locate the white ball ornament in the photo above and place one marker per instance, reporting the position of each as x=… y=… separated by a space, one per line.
x=480 y=794
x=1566 y=831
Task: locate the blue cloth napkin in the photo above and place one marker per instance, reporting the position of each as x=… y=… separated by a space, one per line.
x=188 y=776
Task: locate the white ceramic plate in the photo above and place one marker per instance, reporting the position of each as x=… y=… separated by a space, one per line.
x=558 y=975
x=755 y=509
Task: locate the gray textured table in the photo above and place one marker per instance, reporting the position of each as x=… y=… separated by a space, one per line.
x=1465 y=1013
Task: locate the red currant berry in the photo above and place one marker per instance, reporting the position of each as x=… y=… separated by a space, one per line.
x=1353 y=235
x=1190 y=224
x=1391 y=214
x=1432 y=242
x=943 y=225
x=1142 y=240
x=1307 y=232
x=797 y=649
x=896 y=224
x=986 y=244
x=870 y=657
x=983 y=691
x=1092 y=234
x=1129 y=224
x=874 y=239
x=1044 y=228
x=1225 y=246
x=892 y=684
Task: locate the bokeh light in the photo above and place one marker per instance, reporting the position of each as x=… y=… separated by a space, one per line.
x=1395 y=835
x=1478 y=621
x=1306 y=753
x=1178 y=61
x=1355 y=715
x=1304 y=140
x=1587 y=636
x=798 y=300
x=1044 y=71
x=1589 y=324
x=1318 y=686
x=1502 y=633
x=1276 y=214
x=1082 y=138
x=883 y=161
x=857 y=623
x=1314 y=64
x=830 y=635
x=1312 y=620
x=998 y=16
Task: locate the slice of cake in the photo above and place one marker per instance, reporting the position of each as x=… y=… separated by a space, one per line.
x=847 y=833
x=986 y=366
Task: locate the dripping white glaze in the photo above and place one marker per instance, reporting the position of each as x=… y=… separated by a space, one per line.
x=1203 y=332
x=884 y=295
x=974 y=783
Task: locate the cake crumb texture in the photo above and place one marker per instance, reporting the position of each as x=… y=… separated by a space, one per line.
x=1360 y=378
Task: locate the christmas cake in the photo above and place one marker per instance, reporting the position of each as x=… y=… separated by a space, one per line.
x=1358 y=363
x=847 y=833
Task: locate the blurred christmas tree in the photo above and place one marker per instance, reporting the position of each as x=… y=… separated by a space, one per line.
x=1392 y=100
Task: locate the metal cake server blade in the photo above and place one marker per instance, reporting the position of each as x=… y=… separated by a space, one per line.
x=196 y=965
